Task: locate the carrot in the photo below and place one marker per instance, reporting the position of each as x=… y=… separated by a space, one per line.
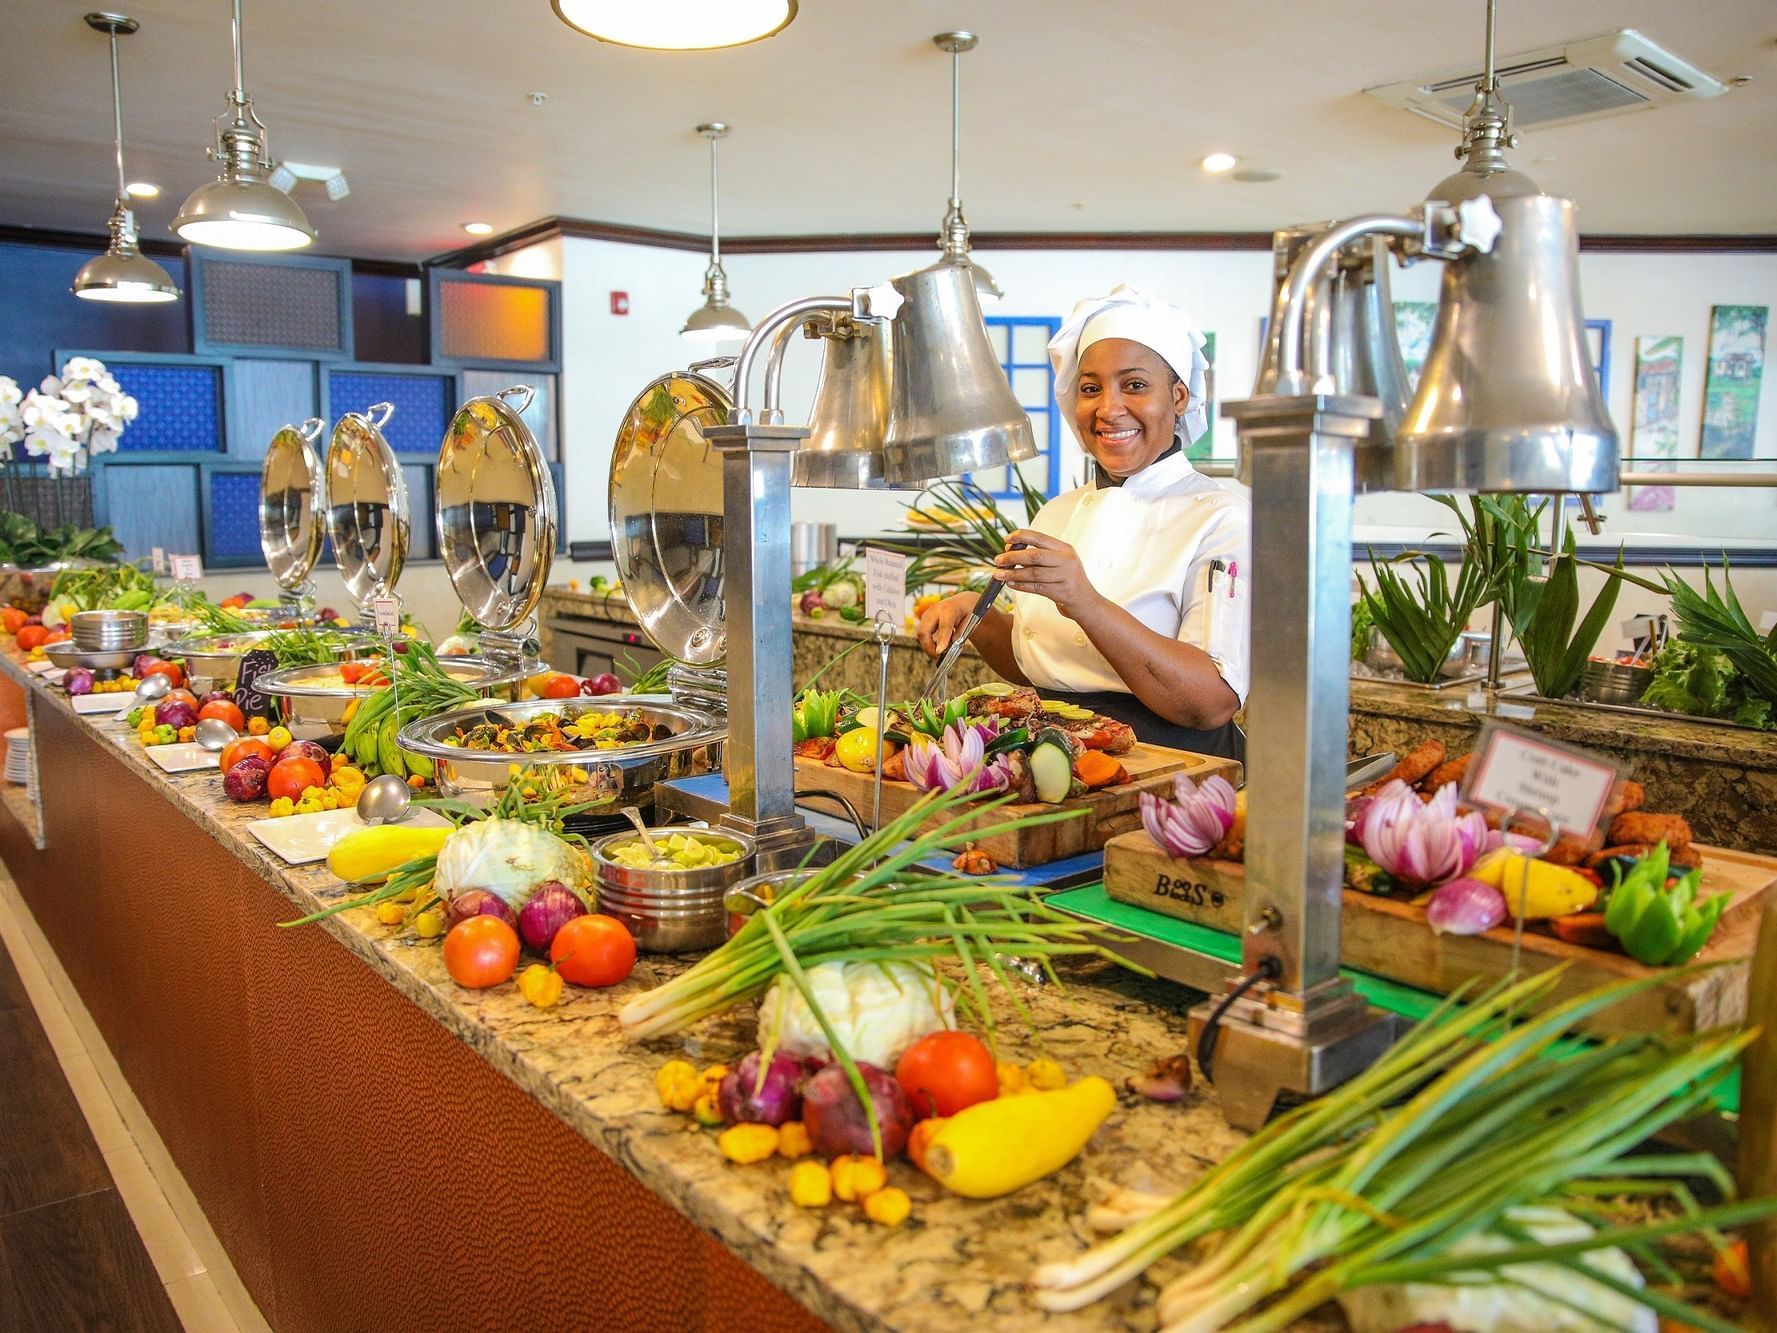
x=1097 y=769
x=1585 y=929
x=1732 y=1274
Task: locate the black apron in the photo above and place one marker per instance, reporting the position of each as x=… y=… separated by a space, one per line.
x=1228 y=741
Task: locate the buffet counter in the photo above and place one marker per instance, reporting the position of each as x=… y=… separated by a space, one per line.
x=1724 y=778
x=378 y=1148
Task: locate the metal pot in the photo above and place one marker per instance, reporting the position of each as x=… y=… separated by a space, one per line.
x=669 y=911
x=622 y=777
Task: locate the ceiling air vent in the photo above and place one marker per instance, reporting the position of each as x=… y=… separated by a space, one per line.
x=1581 y=80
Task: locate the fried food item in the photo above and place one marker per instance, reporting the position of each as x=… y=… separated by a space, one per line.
x=1413 y=766
x=1444 y=774
x=1104 y=733
x=1021 y=705
x=1679 y=858
x=1624 y=796
x=894 y=768
x=820 y=748
x=1641 y=826
x=1571 y=851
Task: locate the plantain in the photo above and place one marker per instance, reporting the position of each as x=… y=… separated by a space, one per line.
x=388 y=753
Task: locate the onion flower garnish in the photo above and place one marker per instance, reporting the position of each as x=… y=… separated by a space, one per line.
x=958 y=758
x=1195 y=820
x=1421 y=842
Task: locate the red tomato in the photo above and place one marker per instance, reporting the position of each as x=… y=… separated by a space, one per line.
x=352 y=672
x=593 y=950
x=56 y=636
x=31 y=636
x=12 y=620
x=560 y=686
x=233 y=753
x=228 y=712
x=293 y=776
x=480 y=952
x=182 y=696
x=172 y=671
x=944 y=1072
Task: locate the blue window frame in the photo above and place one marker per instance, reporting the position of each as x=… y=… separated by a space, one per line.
x=1021 y=343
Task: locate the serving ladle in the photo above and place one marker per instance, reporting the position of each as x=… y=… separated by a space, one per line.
x=153 y=686
x=385 y=799
x=634 y=816
x=215 y=735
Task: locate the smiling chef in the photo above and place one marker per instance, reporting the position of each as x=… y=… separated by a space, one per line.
x=1129 y=594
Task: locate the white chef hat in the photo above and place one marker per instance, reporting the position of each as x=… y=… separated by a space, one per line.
x=1129 y=312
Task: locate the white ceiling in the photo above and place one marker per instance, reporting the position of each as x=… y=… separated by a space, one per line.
x=1079 y=115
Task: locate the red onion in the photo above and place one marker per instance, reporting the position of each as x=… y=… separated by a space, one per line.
x=836 y=1120
x=1194 y=821
x=546 y=911
x=246 y=780
x=478 y=902
x=744 y=1100
x=1167 y=1080
x=1421 y=842
x=1465 y=907
x=175 y=713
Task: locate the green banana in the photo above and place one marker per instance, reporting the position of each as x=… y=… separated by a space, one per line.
x=387 y=752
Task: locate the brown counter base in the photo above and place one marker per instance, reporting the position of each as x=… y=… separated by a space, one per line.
x=362 y=1166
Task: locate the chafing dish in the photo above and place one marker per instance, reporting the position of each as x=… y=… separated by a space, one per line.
x=312 y=703
x=213 y=662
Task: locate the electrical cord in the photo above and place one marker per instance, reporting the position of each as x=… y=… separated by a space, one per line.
x=1268 y=970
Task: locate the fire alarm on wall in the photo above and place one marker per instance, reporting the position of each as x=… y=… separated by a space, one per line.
x=619 y=303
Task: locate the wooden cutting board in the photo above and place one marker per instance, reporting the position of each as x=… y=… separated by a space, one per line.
x=1390 y=938
x=1107 y=812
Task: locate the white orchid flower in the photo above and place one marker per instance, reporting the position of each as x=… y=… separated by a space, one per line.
x=102 y=442
x=127 y=408
x=51 y=387
x=10 y=394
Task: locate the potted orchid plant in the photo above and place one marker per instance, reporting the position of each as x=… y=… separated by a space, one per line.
x=69 y=418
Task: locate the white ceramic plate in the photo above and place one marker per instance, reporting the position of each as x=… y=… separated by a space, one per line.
x=41 y=668
x=103 y=703
x=301 y=839
x=184 y=757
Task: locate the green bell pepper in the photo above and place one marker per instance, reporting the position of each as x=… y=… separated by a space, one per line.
x=815 y=715
x=1657 y=925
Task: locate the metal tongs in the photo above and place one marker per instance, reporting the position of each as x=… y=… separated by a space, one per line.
x=934 y=687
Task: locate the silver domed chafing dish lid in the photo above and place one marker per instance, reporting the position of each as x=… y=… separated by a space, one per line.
x=367 y=514
x=292 y=500
x=496 y=510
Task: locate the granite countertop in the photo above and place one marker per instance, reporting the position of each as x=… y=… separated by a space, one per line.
x=1579 y=723
x=956 y=1264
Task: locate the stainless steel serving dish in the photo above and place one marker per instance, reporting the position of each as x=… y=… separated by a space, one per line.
x=67 y=656
x=1616 y=683
x=312 y=707
x=213 y=662
x=367 y=514
x=625 y=776
x=670 y=911
x=292 y=500
x=28 y=589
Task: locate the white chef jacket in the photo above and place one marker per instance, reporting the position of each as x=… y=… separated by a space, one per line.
x=1149 y=545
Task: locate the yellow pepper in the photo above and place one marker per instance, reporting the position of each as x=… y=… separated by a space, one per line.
x=541 y=984
x=282 y=806
x=707 y=1111
x=889 y=1207
x=1012 y=1079
x=390 y=913
x=429 y=924
x=1044 y=1075
x=278 y=738
x=811 y=1185
x=793 y=1140
x=678 y=1085
x=712 y=1077
x=748 y=1143
x=257 y=726
x=856 y=1178
x=1551 y=890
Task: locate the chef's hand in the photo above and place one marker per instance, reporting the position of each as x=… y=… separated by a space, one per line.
x=1047 y=566
x=939 y=621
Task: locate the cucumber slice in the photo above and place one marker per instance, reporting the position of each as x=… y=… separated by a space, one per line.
x=1052 y=771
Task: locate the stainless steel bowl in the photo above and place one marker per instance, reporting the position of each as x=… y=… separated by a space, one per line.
x=213 y=661
x=312 y=708
x=1614 y=683
x=109 y=631
x=67 y=656
x=670 y=911
x=627 y=776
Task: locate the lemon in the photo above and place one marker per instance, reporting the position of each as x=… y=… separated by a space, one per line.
x=856 y=750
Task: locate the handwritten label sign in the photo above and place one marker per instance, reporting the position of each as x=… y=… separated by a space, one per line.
x=885 y=585
x=159 y=556
x=1515 y=770
x=385 y=614
x=187 y=568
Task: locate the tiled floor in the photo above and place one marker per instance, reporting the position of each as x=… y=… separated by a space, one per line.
x=186 y=1258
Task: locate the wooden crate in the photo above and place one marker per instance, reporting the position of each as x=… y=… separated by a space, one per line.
x=1390 y=938
x=1107 y=812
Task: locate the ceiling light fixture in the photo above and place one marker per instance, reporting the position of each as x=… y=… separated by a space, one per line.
x=1216 y=163
x=242 y=210
x=1486 y=134
x=953 y=235
x=479 y=228
x=677 y=25
x=715 y=319
x=123 y=273
x=142 y=190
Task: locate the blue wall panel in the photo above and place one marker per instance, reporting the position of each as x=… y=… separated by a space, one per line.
x=421 y=405
x=179 y=408
x=41 y=313
x=152 y=505
x=269 y=395
x=234 y=518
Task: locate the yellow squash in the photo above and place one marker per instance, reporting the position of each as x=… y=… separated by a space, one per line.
x=1534 y=889
x=993 y=1148
x=369 y=854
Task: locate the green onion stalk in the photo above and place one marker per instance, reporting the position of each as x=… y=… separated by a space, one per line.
x=1359 y=1188
x=866 y=907
x=548 y=811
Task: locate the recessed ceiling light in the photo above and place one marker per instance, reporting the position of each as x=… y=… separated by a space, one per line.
x=142 y=189
x=479 y=228
x=1219 y=162
x=677 y=25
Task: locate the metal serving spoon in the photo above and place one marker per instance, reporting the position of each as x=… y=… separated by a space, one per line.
x=215 y=735
x=385 y=799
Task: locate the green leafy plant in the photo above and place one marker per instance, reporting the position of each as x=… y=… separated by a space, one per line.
x=1716 y=620
x=1422 y=621
x=1543 y=612
x=1700 y=681
x=28 y=546
x=973 y=531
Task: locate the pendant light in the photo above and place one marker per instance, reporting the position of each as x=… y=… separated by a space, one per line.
x=123 y=273
x=715 y=320
x=953 y=234
x=1486 y=134
x=676 y=25
x=242 y=210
